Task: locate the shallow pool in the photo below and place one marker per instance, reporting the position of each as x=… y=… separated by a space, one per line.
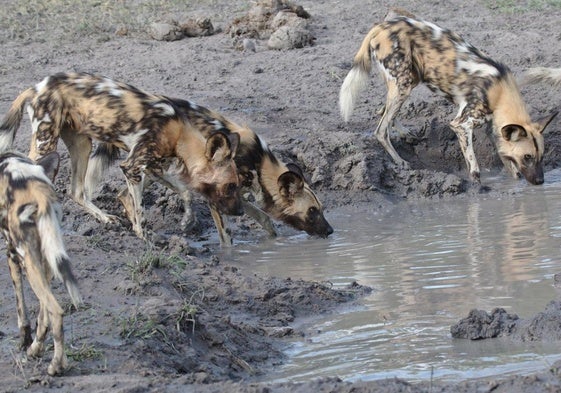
x=429 y=263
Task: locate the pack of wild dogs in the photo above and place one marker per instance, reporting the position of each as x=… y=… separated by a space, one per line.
x=189 y=148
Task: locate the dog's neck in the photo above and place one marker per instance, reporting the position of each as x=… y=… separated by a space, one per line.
x=191 y=151
x=268 y=174
x=505 y=101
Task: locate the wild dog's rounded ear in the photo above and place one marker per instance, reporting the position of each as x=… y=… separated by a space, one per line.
x=513 y=132
x=50 y=164
x=544 y=121
x=218 y=147
x=234 y=139
x=295 y=168
x=290 y=183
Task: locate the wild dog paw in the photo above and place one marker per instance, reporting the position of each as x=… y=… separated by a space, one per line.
x=25 y=338
x=403 y=165
x=109 y=219
x=140 y=232
x=57 y=366
x=475 y=177
x=188 y=221
x=36 y=349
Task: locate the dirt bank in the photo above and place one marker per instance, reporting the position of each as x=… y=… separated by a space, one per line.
x=172 y=316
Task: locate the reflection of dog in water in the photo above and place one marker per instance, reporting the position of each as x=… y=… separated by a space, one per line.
x=29 y=217
x=410 y=51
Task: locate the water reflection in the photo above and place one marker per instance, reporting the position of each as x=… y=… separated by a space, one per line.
x=429 y=263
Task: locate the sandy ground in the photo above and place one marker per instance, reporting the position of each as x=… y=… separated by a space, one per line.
x=172 y=316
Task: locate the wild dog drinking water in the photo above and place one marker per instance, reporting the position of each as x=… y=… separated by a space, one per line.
x=280 y=190
x=79 y=107
x=29 y=217
x=410 y=51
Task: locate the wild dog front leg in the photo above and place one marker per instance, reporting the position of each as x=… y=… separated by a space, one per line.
x=133 y=168
x=223 y=232
x=260 y=216
x=79 y=147
x=137 y=213
x=171 y=178
x=510 y=168
x=464 y=132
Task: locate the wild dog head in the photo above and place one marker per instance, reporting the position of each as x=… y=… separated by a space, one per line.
x=216 y=178
x=523 y=147
x=298 y=206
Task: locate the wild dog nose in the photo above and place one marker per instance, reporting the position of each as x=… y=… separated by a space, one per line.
x=328 y=230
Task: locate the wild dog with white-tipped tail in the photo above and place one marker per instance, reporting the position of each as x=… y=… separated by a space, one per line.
x=29 y=218
x=410 y=51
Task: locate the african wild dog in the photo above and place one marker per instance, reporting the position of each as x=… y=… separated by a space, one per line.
x=279 y=189
x=29 y=216
x=79 y=107
x=409 y=51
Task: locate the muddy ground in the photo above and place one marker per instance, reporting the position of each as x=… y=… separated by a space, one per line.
x=172 y=316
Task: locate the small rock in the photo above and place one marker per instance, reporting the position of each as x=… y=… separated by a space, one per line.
x=199 y=27
x=288 y=37
x=248 y=45
x=165 y=32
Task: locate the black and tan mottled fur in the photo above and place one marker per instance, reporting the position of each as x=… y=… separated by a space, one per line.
x=29 y=218
x=410 y=51
x=279 y=189
x=80 y=107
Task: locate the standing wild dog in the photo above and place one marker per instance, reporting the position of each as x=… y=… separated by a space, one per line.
x=409 y=51
x=29 y=214
x=79 y=107
x=279 y=189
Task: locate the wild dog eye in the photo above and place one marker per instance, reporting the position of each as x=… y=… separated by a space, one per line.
x=528 y=157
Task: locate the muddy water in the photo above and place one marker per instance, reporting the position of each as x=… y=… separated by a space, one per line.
x=429 y=263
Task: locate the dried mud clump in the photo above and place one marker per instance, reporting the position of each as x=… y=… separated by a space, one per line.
x=284 y=25
x=173 y=31
x=479 y=324
x=544 y=326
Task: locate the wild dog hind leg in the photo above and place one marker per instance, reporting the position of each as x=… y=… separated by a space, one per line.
x=394 y=101
x=24 y=325
x=463 y=128
x=79 y=147
x=50 y=313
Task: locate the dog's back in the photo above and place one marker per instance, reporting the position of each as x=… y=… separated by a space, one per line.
x=441 y=58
